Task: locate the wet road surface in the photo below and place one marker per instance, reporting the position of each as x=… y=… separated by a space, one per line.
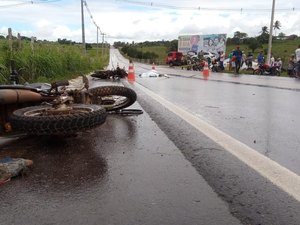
x=256 y=110
x=153 y=168
x=124 y=172
x=263 y=118
x=220 y=100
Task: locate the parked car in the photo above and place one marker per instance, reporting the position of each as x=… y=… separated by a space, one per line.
x=210 y=55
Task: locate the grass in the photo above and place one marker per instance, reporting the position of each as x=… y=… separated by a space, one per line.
x=49 y=61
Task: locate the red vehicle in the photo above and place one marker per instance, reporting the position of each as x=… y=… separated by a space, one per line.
x=174 y=59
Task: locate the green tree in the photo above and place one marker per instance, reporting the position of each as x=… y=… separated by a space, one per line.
x=281 y=35
x=264 y=30
x=253 y=43
x=172 y=46
x=238 y=37
x=276 y=26
x=264 y=35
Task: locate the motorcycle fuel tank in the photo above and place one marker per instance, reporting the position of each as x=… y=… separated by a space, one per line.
x=11 y=96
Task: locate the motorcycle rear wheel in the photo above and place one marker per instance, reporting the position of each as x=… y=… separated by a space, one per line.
x=40 y=120
x=113 y=98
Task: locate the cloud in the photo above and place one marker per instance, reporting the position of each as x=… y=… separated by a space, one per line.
x=122 y=21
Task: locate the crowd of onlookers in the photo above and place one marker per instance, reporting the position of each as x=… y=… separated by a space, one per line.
x=237 y=58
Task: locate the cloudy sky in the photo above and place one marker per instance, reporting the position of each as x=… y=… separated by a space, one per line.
x=142 y=20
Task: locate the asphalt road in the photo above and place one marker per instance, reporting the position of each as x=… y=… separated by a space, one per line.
x=154 y=168
x=258 y=115
x=259 y=111
x=125 y=172
x=263 y=118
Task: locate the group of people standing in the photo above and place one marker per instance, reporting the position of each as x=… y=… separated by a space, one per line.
x=238 y=57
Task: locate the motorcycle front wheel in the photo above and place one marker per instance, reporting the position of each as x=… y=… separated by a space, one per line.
x=43 y=120
x=113 y=98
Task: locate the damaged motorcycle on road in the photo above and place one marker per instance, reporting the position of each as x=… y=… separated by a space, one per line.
x=59 y=108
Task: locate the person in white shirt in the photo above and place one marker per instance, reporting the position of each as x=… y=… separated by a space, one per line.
x=279 y=64
x=272 y=60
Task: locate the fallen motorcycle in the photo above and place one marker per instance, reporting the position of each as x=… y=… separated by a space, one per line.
x=110 y=74
x=60 y=108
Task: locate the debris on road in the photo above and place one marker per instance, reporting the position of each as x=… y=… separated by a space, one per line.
x=153 y=73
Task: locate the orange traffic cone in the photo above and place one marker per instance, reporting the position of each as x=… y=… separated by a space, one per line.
x=153 y=66
x=205 y=71
x=131 y=74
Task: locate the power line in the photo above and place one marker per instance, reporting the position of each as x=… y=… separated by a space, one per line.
x=15 y=4
x=28 y=3
x=160 y=5
x=91 y=16
x=97 y=26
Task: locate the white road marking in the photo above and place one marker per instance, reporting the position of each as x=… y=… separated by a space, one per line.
x=285 y=179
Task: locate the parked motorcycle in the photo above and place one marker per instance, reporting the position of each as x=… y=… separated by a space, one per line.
x=265 y=69
x=57 y=108
x=215 y=66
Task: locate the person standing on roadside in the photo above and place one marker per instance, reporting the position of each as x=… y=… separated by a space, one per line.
x=272 y=60
x=222 y=58
x=230 y=60
x=244 y=58
x=238 y=59
x=249 y=60
x=291 y=66
x=260 y=58
x=297 y=56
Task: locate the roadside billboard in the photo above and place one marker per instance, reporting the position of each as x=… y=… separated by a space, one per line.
x=207 y=43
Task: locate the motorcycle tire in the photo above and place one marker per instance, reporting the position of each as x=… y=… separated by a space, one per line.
x=112 y=98
x=257 y=72
x=34 y=121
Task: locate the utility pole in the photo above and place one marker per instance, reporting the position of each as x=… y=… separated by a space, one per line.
x=102 y=42
x=271 y=34
x=97 y=40
x=82 y=25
